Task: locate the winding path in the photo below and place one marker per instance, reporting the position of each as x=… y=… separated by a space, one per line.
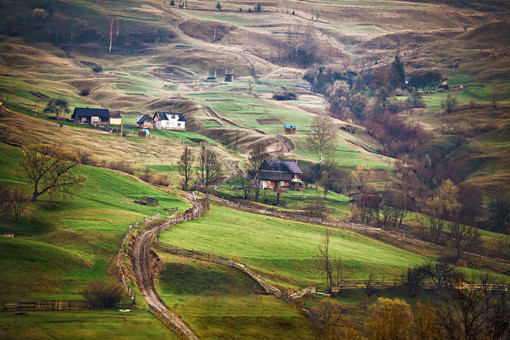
x=142 y=271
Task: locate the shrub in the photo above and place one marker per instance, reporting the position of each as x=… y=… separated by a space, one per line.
x=97 y=68
x=413 y=279
x=102 y=294
x=86 y=157
x=121 y=166
x=390 y=319
x=284 y=94
x=159 y=179
x=84 y=92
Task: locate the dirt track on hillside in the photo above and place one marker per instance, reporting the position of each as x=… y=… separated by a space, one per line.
x=144 y=279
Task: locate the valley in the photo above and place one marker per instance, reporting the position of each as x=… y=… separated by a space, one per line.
x=251 y=79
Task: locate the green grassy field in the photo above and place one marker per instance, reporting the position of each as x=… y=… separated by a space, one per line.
x=283 y=251
x=137 y=324
x=245 y=110
x=86 y=231
x=220 y=302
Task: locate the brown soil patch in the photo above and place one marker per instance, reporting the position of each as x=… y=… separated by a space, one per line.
x=269 y=121
x=197 y=140
x=123 y=86
x=39 y=95
x=88 y=63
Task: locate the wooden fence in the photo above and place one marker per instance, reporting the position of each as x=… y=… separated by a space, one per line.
x=56 y=305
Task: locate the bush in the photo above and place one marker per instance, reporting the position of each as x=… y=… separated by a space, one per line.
x=86 y=157
x=413 y=279
x=121 y=166
x=284 y=94
x=159 y=179
x=97 y=68
x=103 y=294
x=84 y=92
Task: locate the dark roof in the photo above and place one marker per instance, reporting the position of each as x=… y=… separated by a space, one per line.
x=269 y=175
x=163 y=115
x=115 y=114
x=278 y=165
x=87 y=112
x=143 y=118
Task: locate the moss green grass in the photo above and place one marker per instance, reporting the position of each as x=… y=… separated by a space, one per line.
x=284 y=251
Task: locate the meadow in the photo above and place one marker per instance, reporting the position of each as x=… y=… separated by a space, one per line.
x=284 y=252
x=85 y=230
x=110 y=324
x=219 y=302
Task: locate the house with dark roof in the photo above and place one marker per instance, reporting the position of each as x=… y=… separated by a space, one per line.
x=280 y=174
x=85 y=115
x=145 y=122
x=169 y=121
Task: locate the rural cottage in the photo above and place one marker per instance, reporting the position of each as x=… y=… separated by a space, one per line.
x=85 y=115
x=169 y=121
x=282 y=174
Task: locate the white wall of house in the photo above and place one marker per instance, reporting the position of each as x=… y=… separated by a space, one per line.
x=172 y=123
x=115 y=121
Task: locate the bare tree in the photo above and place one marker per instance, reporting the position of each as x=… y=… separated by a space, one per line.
x=449 y=103
x=464 y=237
x=499 y=211
x=257 y=156
x=185 y=167
x=324 y=258
x=51 y=169
x=12 y=203
x=211 y=168
x=369 y=285
x=112 y=21
x=322 y=137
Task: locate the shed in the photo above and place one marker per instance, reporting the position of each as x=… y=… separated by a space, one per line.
x=443 y=88
x=115 y=118
x=229 y=76
x=145 y=121
x=289 y=129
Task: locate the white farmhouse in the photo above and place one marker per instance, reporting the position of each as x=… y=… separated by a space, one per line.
x=169 y=121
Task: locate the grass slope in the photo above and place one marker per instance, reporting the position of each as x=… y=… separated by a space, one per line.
x=60 y=245
x=220 y=302
x=284 y=251
x=136 y=324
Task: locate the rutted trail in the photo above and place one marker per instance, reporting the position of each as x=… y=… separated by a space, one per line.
x=141 y=267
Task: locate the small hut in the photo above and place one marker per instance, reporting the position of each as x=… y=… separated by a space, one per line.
x=289 y=129
x=229 y=76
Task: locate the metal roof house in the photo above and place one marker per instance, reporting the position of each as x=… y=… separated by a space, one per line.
x=85 y=115
x=277 y=173
x=169 y=121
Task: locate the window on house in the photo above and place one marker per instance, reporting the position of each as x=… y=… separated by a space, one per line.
x=282 y=183
x=173 y=116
